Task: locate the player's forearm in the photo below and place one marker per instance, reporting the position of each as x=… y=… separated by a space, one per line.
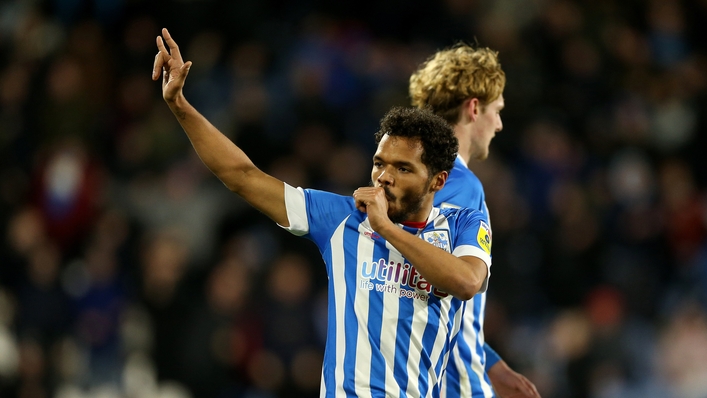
x=443 y=270
x=228 y=162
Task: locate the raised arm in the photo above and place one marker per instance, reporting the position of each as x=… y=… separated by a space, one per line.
x=228 y=162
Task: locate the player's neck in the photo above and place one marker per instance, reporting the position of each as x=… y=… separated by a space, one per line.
x=423 y=213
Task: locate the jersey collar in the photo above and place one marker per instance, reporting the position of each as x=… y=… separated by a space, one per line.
x=415 y=224
x=421 y=224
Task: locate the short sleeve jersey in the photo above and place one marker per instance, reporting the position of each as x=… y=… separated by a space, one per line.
x=389 y=330
x=465 y=376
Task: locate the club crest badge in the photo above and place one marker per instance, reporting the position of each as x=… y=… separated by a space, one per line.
x=484 y=237
x=437 y=238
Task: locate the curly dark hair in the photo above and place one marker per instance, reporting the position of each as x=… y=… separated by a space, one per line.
x=439 y=145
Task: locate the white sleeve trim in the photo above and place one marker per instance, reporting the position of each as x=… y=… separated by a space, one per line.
x=296 y=211
x=469 y=250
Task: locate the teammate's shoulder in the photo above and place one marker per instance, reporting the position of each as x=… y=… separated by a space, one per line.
x=464 y=173
x=461 y=212
x=463 y=179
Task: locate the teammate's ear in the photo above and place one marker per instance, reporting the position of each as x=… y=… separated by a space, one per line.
x=473 y=108
x=438 y=181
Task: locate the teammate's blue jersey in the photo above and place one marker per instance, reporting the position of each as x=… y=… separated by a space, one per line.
x=389 y=331
x=465 y=376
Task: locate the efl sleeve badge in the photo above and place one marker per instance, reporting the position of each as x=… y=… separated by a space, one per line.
x=484 y=237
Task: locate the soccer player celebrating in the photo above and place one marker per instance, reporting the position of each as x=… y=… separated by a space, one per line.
x=400 y=270
x=464 y=85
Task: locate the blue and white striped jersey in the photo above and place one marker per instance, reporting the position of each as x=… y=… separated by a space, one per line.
x=465 y=376
x=389 y=331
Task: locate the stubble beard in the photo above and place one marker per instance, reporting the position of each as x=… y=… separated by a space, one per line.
x=410 y=203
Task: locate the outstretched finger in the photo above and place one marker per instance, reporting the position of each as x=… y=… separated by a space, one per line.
x=160 y=60
x=160 y=45
x=173 y=47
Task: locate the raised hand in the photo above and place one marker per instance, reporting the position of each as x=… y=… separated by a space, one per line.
x=171 y=65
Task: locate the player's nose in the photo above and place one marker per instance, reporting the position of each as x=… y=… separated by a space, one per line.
x=385 y=178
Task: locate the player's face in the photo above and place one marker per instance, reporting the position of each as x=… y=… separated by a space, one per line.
x=488 y=123
x=398 y=168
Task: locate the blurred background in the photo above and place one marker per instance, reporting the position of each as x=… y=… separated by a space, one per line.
x=128 y=271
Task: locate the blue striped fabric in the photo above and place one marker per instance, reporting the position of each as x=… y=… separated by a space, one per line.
x=466 y=376
x=389 y=331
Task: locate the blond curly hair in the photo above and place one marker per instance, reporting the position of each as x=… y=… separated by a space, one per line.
x=451 y=76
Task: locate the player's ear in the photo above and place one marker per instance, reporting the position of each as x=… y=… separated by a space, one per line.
x=438 y=181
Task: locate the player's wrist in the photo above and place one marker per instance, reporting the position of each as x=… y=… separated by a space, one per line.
x=178 y=104
x=498 y=369
x=384 y=228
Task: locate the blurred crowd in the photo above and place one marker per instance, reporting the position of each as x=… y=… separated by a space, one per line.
x=128 y=271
